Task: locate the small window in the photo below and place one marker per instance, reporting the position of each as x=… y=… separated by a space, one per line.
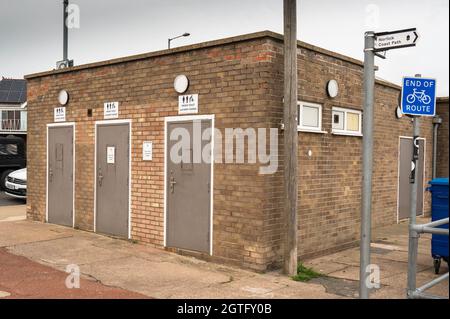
x=346 y=121
x=338 y=120
x=310 y=117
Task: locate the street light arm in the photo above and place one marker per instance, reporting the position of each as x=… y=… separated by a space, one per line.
x=180 y=36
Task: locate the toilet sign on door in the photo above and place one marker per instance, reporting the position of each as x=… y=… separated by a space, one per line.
x=110 y=155
x=188 y=104
x=60 y=114
x=111 y=110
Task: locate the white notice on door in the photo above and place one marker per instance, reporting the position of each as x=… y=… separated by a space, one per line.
x=111 y=110
x=188 y=104
x=110 y=155
x=147 y=151
x=60 y=114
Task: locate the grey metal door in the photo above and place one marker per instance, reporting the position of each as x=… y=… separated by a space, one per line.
x=60 y=175
x=188 y=191
x=112 y=181
x=404 y=202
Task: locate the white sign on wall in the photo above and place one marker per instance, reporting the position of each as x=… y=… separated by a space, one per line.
x=188 y=104
x=110 y=155
x=147 y=151
x=60 y=114
x=111 y=110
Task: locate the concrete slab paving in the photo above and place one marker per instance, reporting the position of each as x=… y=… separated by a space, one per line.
x=23 y=232
x=160 y=274
x=13 y=212
x=65 y=251
x=389 y=250
x=145 y=270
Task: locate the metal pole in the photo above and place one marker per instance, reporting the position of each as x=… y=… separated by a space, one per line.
x=437 y=120
x=435 y=130
x=290 y=136
x=65 y=30
x=168 y=43
x=413 y=235
x=367 y=165
x=432 y=283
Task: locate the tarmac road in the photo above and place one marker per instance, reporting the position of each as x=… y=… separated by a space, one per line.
x=6 y=200
x=21 y=278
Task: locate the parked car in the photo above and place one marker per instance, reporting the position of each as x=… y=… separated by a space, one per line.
x=16 y=184
x=12 y=157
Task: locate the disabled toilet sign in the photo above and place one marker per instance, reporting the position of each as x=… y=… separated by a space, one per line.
x=419 y=96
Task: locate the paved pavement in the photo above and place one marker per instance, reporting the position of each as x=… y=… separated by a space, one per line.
x=156 y=273
x=142 y=269
x=11 y=209
x=390 y=253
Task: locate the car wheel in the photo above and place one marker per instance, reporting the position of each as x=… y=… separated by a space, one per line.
x=3 y=178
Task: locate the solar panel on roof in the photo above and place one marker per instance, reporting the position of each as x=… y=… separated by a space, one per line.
x=3 y=95
x=13 y=91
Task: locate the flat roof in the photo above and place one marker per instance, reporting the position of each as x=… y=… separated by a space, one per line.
x=209 y=44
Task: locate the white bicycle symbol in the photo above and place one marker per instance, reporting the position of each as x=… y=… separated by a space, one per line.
x=419 y=95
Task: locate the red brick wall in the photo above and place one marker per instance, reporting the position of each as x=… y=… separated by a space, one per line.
x=232 y=81
x=330 y=180
x=241 y=83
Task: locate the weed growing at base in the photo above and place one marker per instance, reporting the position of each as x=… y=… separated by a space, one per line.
x=305 y=274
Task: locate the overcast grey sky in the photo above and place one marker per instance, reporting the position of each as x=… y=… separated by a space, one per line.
x=31 y=31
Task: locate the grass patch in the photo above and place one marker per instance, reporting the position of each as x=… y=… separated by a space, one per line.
x=305 y=274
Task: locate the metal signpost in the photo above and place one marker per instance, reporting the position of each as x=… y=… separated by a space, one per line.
x=419 y=99
x=374 y=44
x=396 y=39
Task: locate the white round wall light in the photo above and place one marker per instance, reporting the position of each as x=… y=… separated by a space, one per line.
x=398 y=112
x=63 y=97
x=332 y=88
x=181 y=83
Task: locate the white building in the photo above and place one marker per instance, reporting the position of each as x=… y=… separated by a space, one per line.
x=13 y=107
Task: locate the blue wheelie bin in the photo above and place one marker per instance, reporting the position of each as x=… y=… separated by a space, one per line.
x=439 y=210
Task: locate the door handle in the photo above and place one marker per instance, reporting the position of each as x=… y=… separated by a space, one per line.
x=100 y=177
x=172 y=184
x=50 y=174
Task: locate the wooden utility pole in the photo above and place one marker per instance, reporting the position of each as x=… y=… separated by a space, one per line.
x=290 y=136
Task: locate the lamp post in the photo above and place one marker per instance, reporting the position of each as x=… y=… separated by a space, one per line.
x=180 y=36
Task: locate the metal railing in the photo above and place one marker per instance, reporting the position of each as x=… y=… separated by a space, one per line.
x=13 y=125
x=414 y=233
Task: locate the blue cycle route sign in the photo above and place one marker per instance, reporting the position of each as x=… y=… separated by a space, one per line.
x=419 y=96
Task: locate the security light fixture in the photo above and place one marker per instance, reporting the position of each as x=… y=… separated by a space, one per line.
x=398 y=112
x=180 y=36
x=63 y=97
x=332 y=88
x=181 y=83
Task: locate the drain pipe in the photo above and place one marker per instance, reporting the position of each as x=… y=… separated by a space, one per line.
x=437 y=120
